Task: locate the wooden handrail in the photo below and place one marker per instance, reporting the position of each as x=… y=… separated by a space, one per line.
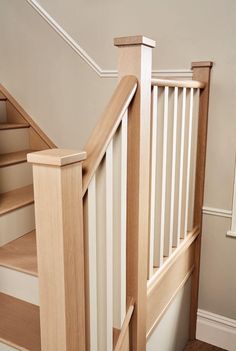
x=106 y=127
x=178 y=83
x=125 y=326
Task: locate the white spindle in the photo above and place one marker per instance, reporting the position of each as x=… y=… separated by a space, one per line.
x=120 y=209
x=174 y=154
x=153 y=180
x=158 y=239
x=181 y=173
x=164 y=174
x=188 y=161
x=232 y=231
x=92 y=264
x=109 y=245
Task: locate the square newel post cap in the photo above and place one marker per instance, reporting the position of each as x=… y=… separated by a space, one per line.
x=134 y=40
x=200 y=64
x=56 y=157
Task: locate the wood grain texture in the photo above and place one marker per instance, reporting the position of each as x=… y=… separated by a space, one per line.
x=202 y=72
x=106 y=127
x=13 y=158
x=4 y=126
x=122 y=338
x=60 y=251
x=14 y=199
x=20 y=254
x=137 y=60
x=178 y=83
x=19 y=324
x=197 y=345
x=134 y=40
x=167 y=283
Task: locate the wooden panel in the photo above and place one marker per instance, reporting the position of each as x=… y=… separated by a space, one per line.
x=162 y=290
x=20 y=254
x=19 y=324
x=107 y=126
x=12 y=140
x=36 y=142
x=16 y=199
x=119 y=223
x=15 y=176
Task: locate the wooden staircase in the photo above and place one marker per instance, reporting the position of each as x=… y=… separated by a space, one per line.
x=19 y=135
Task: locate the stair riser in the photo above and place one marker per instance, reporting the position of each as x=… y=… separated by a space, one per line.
x=3 y=113
x=14 y=140
x=20 y=285
x=15 y=176
x=16 y=223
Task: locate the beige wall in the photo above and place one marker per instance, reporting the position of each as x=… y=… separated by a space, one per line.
x=65 y=96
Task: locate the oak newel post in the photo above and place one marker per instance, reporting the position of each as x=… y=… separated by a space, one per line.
x=201 y=72
x=60 y=250
x=135 y=58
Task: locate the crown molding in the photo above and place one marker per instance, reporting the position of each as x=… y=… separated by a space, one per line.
x=102 y=73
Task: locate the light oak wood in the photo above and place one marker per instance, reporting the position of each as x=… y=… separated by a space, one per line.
x=15 y=199
x=13 y=158
x=20 y=254
x=167 y=283
x=119 y=346
x=19 y=324
x=136 y=59
x=134 y=40
x=60 y=249
x=2 y=97
x=106 y=128
x=26 y=117
x=201 y=71
x=4 y=126
x=56 y=157
x=178 y=83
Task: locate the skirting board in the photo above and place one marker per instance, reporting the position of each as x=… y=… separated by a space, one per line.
x=216 y=330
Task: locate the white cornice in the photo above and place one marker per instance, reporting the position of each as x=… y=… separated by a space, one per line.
x=103 y=73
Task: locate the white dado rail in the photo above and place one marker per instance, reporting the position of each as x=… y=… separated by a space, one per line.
x=232 y=231
x=102 y=73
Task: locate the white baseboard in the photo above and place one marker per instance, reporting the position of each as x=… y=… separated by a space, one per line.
x=216 y=330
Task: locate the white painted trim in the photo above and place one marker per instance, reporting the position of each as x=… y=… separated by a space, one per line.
x=216 y=212
x=232 y=231
x=216 y=330
x=103 y=73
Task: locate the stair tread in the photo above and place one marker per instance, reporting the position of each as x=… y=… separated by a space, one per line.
x=13 y=125
x=20 y=254
x=15 y=199
x=19 y=323
x=13 y=158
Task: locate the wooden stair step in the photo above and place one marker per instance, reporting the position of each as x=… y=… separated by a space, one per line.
x=19 y=323
x=15 y=199
x=13 y=158
x=21 y=254
x=4 y=126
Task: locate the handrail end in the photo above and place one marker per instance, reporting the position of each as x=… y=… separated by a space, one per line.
x=56 y=157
